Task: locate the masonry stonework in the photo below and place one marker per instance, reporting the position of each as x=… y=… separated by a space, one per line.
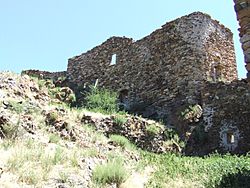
x=226 y=122
x=242 y=9
x=188 y=65
x=163 y=70
x=46 y=74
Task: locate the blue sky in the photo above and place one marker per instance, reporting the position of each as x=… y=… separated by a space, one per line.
x=43 y=34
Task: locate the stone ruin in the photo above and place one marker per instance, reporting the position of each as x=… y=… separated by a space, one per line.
x=184 y=74
x=242 y=9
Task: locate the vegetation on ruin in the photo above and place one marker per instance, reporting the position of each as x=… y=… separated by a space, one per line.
x=101 y=100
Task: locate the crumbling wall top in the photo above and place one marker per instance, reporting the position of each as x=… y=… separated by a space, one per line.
x=197 y=27
x=114 y=43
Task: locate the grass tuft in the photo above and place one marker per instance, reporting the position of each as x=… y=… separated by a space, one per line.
x=120 y=120
x=59 y=156
x=122 y=141
x=112 y=172
x=153 y=129
x=54 y=138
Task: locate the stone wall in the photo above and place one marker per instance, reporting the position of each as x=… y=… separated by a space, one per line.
x=242 y=8
x=161 y=71
x=46 y=74
x=226 y=117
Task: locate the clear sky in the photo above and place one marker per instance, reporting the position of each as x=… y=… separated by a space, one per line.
x=43 y=34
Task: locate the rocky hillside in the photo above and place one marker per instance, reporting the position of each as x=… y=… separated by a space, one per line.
x=46 y=143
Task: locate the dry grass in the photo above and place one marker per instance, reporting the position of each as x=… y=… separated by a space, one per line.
x=33 y=162
x=182 y=183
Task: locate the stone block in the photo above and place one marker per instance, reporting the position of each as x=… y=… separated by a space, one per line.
x=243 y=13
x=248 y=67
x=246 y=45
x=245 y=38
x=247 y=58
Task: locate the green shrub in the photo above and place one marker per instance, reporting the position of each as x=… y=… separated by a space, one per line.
x=49 y=84
x=120 y=120
x=101 y=100
x=177 y=142
x=210 y=171
x=121 y=141
x=153 y=129
x=112 y=172
x=173 y=138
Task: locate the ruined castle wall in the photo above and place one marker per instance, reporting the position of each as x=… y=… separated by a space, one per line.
x=216 y=41
x=46 y=74
x=226 y=116
x=94 y=64
x=163 y=70
x=242 y=9
x=187 y=62
x=220 y=60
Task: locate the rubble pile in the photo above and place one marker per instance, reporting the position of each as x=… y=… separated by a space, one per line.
x=136 y=129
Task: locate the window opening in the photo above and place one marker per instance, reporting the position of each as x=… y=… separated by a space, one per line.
x=230 y=138
x=216 y=71
x=113 y=59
